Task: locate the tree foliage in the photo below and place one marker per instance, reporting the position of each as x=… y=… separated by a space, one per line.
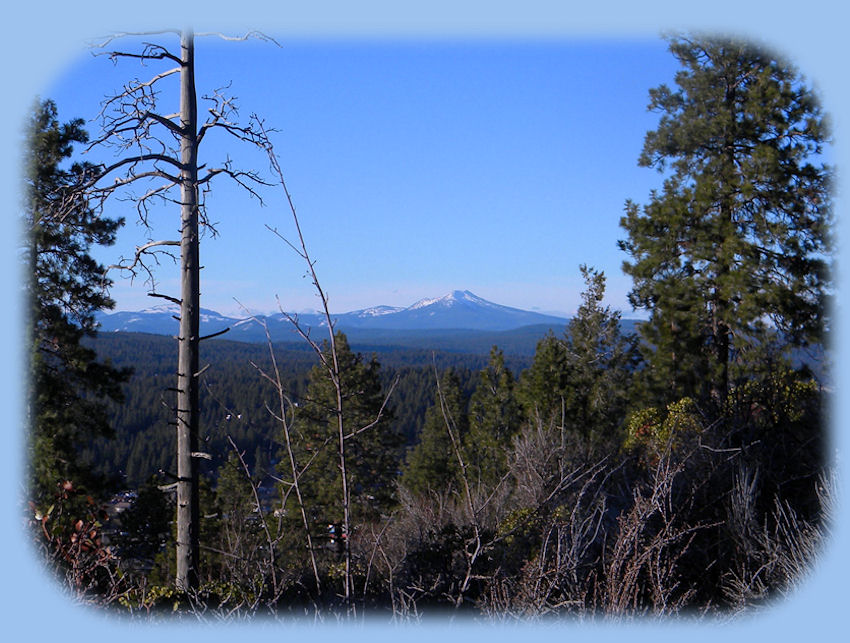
x=543 y=386
x=68 y=385
x=432 y=464
x=581 y=381
x=738 y=238
x=494 y=418
x=372 y=451
x=600 y=362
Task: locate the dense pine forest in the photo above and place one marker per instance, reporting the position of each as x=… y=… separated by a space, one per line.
x=673 y=467
x=237 y=396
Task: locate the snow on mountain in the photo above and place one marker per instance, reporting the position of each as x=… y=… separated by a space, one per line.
x=460 y=309
x=423 y=303
x=454 y=298
x=160 y=308
x=243 y=322
x=376 y=311
x=173 y=309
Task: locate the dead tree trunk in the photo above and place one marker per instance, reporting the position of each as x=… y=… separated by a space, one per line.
x=156 y=145
x=188 y=412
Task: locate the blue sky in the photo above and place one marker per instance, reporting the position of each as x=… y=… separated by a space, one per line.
x=43 y=40
x=417 y=167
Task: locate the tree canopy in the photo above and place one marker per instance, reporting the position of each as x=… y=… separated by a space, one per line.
x=373 y=447
x=65 y=288
x=736 y=244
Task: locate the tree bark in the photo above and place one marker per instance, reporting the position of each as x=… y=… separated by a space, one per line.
x=188 y=412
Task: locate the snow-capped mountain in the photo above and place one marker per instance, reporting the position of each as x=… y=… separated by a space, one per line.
x=458 y=310
x=375 y=311
x=160 y=320
x=455 y=298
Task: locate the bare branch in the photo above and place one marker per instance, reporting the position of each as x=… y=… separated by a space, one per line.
x=380 y=413
x=137 y=258
x=221 y=332
x=238 y=177
x=259 y=510
x=305 y=335
x=100 y=44
x=477 y=543
x=164 y=120
x=136 y=90
x=258 y=35
x=285 y=240
x=173 y=300
x=135 y=160
x=296 y=473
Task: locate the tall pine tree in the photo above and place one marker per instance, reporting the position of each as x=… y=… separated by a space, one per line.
x=432 y=464
x=494 y=418
x=543 y=386
x=600 y=362
x=736 y=244
x=68 y=386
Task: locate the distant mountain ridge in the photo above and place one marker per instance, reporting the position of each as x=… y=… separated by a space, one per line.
x=458 y=310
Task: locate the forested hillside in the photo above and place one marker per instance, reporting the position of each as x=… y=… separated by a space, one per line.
x=235 y=397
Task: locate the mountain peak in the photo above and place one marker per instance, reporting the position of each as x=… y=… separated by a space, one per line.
x=455 y=296
x=464 y=295
x=459 y=309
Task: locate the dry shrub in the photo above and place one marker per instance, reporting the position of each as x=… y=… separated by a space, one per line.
x=776 y=552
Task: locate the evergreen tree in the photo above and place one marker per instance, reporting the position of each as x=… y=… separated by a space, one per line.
x=236 y=529
x=494 y=418
x=543 y=386
x=233 y=493
x=146 y=524
x=432 y=464
x=68 y=386
x=600 y=361
x=738 y=238
x=372 y=455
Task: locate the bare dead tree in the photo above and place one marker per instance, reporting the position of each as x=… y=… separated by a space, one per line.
x=158 y=152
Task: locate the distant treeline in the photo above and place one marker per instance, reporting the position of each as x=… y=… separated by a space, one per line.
x=234 y=396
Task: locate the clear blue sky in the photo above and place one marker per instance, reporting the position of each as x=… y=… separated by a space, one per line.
x=417 y=167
